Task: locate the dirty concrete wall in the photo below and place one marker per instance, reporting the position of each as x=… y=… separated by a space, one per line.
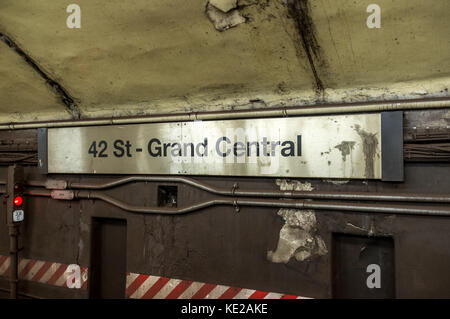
x=218 y=245
x=172 y=56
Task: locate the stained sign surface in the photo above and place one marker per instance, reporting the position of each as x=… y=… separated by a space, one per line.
x=344 y=146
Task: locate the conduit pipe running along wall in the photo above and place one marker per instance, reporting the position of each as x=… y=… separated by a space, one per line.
x=235 y=191
x=255 y=202
x=13 y=260
x=323 y=109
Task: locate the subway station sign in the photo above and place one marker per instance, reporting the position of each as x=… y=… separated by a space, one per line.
x=344 y=146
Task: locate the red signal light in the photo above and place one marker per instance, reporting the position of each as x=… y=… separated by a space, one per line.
x=18 y=200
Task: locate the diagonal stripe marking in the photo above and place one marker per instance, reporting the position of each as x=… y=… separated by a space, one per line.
x=167 y=289
x=28 y=264
x=155 y=288
x=244 y=294
x=179 y=289
x=230 y=293
x=58 y=273
x=273 y=295
x=4 y=267
x=191 y=290
x=3 y=259
x=146 y=285
x=136 y=284
x=258 y=295
x=45 y=267
x=204 y=291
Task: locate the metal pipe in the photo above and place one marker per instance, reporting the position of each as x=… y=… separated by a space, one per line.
x=235 y=191
x=257 y=202
x=370 y=208
x=13 y=277
x=147 y=210
x=261 y=113
x=38 y=192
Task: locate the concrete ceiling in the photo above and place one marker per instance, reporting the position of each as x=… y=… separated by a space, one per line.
x=164 y=56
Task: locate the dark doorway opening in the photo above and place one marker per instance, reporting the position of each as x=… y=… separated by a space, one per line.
x=107 y=273
x=363 y=267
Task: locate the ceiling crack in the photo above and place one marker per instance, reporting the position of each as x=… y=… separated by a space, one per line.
x=69 y=103
x=299 y=10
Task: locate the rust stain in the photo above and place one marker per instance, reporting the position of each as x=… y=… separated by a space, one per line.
x=370 y=143
x=345 y=148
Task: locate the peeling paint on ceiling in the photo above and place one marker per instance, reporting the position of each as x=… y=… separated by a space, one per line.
x=223 y=19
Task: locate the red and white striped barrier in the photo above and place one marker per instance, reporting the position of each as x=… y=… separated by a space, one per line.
x=138 y=286
x=153 y=287
x=45 y=272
